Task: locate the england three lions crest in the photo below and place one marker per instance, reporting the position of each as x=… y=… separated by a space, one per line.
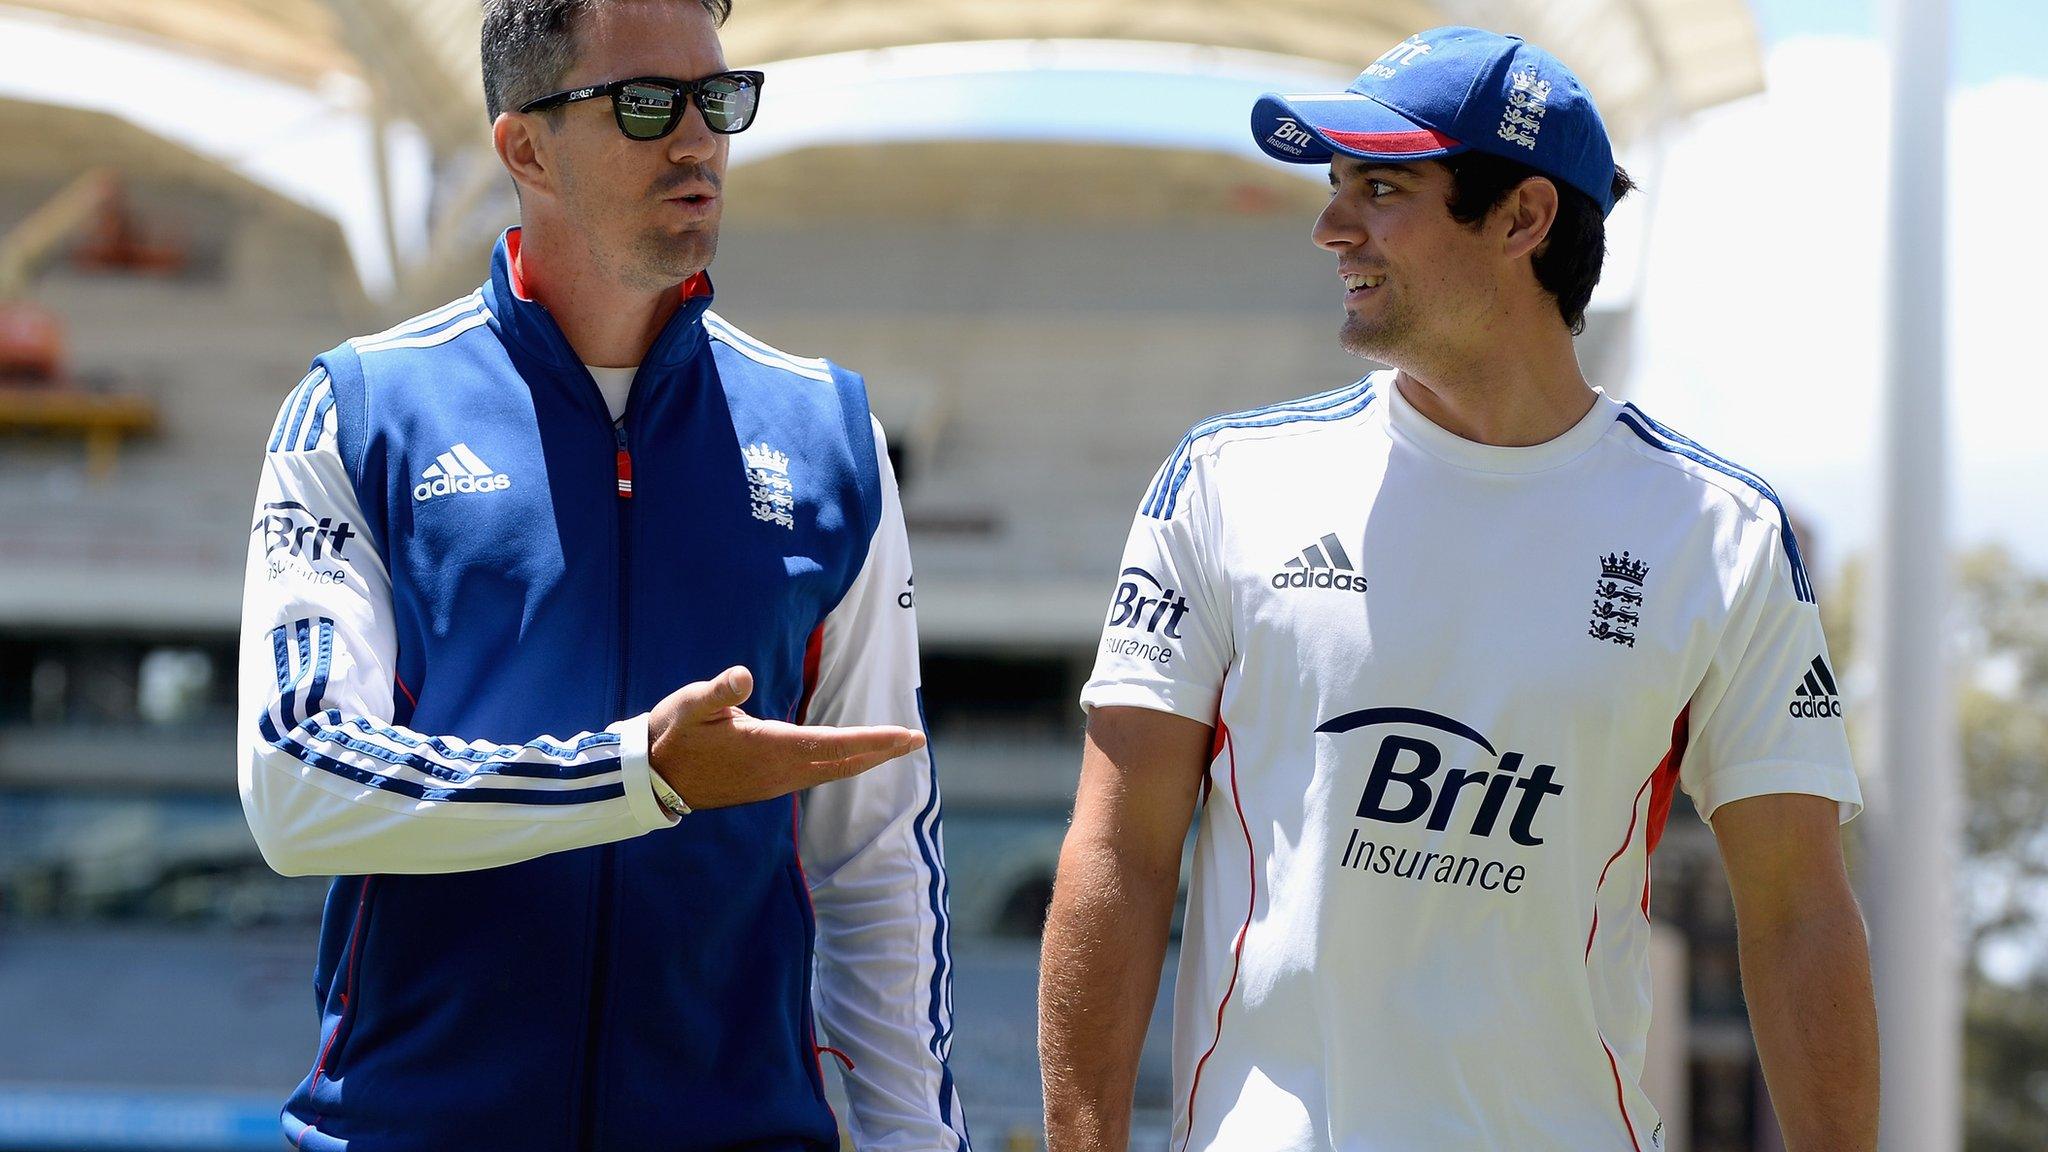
x=1618 y=600
x=768 y=485
x=1527 y=103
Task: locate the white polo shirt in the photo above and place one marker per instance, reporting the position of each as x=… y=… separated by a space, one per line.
x=1454 y=687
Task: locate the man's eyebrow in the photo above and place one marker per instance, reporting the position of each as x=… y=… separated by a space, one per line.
x=1354 y=169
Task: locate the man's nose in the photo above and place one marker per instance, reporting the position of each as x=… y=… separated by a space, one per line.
x=1339 y=227
x=693 y=140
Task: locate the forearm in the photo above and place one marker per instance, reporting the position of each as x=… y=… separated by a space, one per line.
x=345 y=798
x=1105 y=940
x=1807 y=981
x=330 y=782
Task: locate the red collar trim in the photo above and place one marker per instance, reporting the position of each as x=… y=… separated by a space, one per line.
x=518 y=271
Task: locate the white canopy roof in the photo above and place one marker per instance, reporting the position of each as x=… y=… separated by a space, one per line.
x=842 y=69
x=1644 y=59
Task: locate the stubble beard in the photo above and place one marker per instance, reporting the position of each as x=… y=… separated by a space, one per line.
x=662 y=259
x=1379 y=338
x=654 y=259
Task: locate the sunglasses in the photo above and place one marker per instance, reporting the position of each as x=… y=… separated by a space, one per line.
x=650 y=107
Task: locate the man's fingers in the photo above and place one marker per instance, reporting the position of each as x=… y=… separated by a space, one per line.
x=884 y=741
x=826 y=770
x=728 y=689
x=731 y=687
x=808 y=744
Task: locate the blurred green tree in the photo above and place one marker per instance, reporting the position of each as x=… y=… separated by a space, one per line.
x=2001 y=627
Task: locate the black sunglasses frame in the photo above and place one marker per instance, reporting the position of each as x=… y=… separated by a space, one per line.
x=686 y=92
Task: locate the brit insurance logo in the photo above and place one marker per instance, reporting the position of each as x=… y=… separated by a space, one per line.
x=1816 y=695
x=1150 y=612
x=1403 y=54
x=298 y=544
x=458 y=470
x=770 y=492
x=1323 y=564
x=1618 y=600
x=1443 y=774
x=1290 y=137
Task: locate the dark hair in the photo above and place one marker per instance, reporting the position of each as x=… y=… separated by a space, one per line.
x=528 y=46
x=1568 y=261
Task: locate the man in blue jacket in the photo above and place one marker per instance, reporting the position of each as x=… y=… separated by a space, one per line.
x=578 y=645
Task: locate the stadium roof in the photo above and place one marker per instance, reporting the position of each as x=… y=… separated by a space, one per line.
x=1644 y=59
x=49 y=145
x=1026 y=87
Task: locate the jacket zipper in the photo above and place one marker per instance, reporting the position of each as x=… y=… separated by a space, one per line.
x=624 y=463
x=625 y=466
x=607 y=855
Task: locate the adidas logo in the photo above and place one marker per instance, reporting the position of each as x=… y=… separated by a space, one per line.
x=1816 y=695
x=1323 y=564
x=458 y=470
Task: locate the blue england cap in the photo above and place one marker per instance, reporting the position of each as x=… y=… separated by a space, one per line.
x=1446 y=91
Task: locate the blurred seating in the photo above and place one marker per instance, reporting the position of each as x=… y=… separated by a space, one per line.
x=31 y=345
x=116 y=241
x=36 y=393
x=100 y=419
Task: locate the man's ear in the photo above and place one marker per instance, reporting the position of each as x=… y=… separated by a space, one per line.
x=521 y=142
x=1531 y=210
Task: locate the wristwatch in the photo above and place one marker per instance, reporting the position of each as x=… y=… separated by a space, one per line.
x=670 y=802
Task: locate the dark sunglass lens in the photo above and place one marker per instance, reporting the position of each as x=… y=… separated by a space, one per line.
x=645 y=112
x=728 y=103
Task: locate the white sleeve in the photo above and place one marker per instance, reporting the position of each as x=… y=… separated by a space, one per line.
x=329 y=784
x=877 y=869
x=1767 y=717
x=1166 y=641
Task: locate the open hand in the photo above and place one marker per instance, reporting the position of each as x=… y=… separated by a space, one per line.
x=716 y=756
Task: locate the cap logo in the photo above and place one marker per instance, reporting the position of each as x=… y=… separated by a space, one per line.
x=1405 y=53
x=1528 y=100
x=1290 y=137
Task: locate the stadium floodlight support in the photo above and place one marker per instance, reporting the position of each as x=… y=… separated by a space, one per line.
x=380 y=170
x=1912 y=854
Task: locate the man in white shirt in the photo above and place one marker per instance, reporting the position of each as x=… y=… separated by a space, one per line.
x=1433 y=652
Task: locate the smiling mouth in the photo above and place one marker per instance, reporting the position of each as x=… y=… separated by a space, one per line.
x=1354 y=282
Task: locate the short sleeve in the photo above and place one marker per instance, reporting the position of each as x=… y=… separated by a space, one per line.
x=1767 y=718
x=1166 y=640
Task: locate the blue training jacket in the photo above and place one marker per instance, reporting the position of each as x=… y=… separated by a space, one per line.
x=467 y=588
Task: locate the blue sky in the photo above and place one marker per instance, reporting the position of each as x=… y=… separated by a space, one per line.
x=1992 y=38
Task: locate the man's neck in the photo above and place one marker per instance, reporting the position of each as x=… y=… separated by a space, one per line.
x=609 y=325
x=1510 y=395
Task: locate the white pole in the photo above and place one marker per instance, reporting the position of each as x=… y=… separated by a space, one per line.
x=1914 y=939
